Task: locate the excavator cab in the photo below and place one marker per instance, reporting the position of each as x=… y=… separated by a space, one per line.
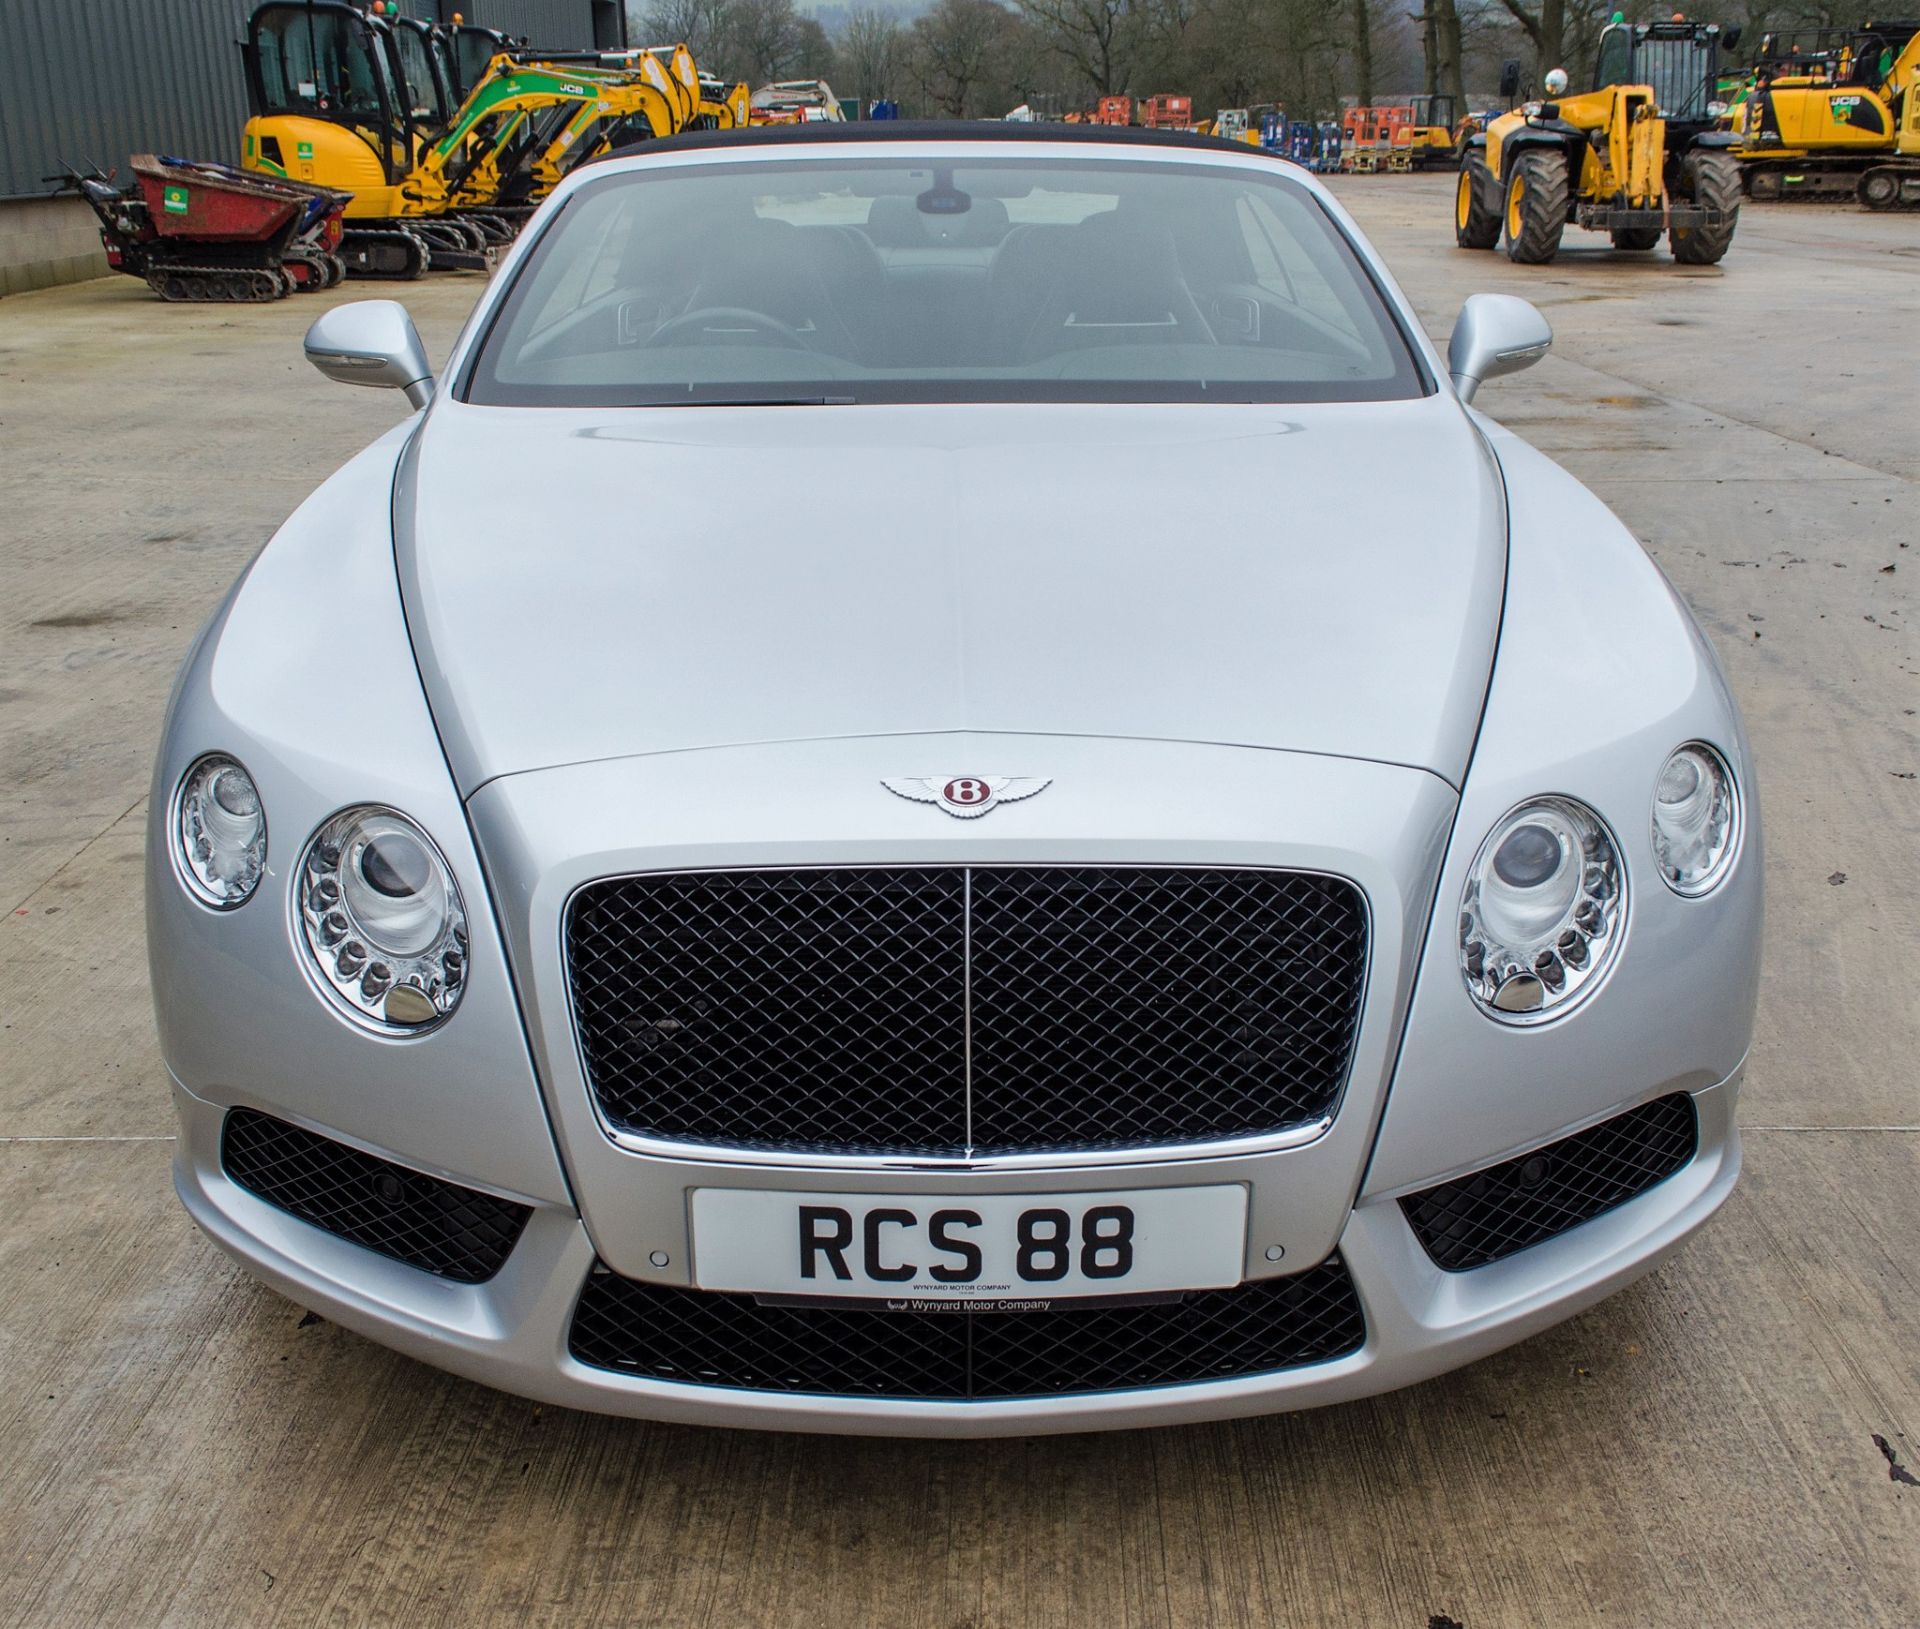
x=326 y=105
x=424 y=63
x=1429 y=135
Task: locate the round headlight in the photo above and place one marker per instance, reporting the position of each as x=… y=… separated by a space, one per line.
x=1696 y=819
x=220 y=833
x=1543 y=910
x=381 y=918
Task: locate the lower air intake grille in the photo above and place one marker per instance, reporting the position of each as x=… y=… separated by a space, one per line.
x=705 y=1339
x=436 y=1226
x=1495 y=1212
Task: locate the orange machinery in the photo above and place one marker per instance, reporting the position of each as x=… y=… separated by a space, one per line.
x=1376 y=126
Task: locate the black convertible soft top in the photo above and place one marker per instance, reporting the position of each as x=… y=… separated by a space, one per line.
x=826 y=132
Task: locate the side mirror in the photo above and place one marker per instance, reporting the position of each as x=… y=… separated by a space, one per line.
x=1496 y=334
x=1730 y=38
x=372 y=342
x=1510 y=78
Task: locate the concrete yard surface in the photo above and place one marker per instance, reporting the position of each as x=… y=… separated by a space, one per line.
x=1733 y=1441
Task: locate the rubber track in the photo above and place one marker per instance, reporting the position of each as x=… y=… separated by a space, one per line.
x=207 y=284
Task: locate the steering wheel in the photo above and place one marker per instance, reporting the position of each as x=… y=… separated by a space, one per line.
x=732 y=315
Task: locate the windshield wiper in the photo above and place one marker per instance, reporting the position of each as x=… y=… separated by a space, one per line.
x=762 y=401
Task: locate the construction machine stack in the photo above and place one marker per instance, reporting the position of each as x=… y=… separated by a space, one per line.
x=443 y=153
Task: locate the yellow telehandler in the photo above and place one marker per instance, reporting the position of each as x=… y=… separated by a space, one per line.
x=1640 y=155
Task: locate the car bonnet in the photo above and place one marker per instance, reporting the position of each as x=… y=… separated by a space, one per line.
x=587 y=584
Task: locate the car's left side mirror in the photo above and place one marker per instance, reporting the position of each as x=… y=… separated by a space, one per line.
x=1496 y=334
x=372 y=342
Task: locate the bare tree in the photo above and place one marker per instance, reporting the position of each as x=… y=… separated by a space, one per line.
x=1546 y=28
x=1362 y=53
x=1440 y=43
x=869 y=54
x=1096 y=39
x=960 y=50
x=702 y=25
x=765 y=39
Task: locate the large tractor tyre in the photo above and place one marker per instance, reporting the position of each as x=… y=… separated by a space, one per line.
x=1712 y=179
x=1636 y=237
x=1476 y=205
x=1536 y=206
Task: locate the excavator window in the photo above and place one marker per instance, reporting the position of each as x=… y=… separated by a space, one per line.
x=473 y=49
x=319 y=63
x=421 y=88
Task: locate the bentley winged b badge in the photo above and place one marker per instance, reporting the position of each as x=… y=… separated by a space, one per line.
x=967 y=797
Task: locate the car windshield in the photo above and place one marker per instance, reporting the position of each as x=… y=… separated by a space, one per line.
x=980 y=278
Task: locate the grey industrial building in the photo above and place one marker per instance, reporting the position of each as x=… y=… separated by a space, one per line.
x=91 y=81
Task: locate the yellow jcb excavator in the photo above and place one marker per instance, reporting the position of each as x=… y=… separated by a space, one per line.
x=1835 y=114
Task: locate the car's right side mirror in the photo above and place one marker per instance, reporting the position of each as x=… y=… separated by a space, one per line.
x=372 y=342
x=1496 y=334
x=1510 y=79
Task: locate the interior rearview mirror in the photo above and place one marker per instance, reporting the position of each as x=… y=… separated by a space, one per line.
x=1496 y=334
x=372 y=342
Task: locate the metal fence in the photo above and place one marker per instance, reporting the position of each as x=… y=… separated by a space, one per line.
x=90 y=81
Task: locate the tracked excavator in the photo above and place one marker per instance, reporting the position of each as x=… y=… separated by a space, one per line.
x=1835 y=114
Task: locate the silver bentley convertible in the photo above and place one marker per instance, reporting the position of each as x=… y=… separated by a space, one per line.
x=946 y=784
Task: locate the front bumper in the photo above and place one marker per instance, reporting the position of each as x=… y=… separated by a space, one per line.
x=1620 y=218
x=512 y=1331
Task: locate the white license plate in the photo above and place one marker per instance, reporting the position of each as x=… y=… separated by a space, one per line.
x=971 y=1247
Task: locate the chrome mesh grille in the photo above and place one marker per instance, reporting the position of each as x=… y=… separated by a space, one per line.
x=972 y=1010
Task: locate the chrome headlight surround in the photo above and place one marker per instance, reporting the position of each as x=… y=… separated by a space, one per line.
x=1696 y=819
x=381 y=921
x=1543 y=912
x=217 y=828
